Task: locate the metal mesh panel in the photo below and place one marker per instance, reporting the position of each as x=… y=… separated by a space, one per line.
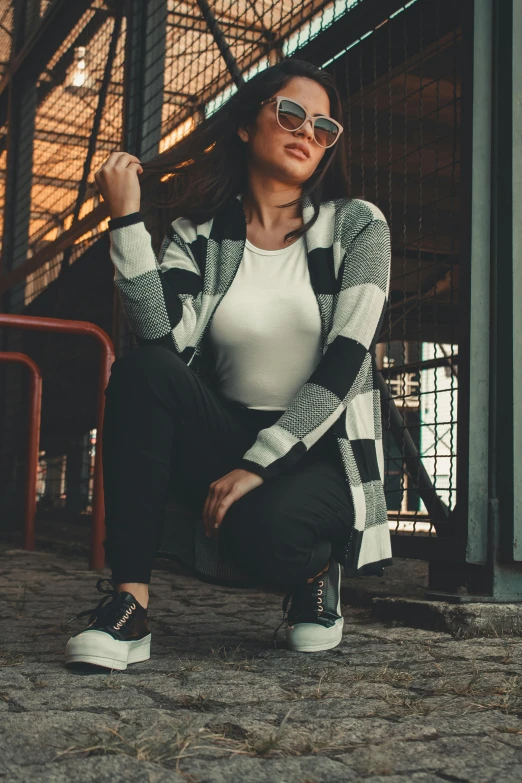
x=6 y=30
x=35 y=10
x=65 y=149
x=398 y=71
x=403 y=82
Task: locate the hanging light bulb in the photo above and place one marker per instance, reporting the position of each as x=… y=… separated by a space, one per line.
x=79 y=79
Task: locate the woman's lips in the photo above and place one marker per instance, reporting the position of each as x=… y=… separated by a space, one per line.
x=297 y=153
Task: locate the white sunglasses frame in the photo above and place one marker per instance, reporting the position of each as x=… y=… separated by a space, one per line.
x=279 y=98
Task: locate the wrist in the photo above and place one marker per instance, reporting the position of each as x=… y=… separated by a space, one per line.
x=123 y=212
x=125 y=220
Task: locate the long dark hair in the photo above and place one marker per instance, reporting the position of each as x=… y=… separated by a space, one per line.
x=209 y=166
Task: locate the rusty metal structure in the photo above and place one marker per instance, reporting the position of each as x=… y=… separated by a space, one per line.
x=428 y=92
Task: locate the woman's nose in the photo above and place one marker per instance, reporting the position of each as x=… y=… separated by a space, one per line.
x=307 y=128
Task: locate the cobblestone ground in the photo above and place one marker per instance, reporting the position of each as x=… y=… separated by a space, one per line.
x=218 y=703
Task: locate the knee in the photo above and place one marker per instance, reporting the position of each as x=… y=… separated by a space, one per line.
x=290 y=538
x=239 y=529
x=265 y=539
x=273 y=556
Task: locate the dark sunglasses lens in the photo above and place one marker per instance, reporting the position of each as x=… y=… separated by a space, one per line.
x=326 y=132
x=291 y=116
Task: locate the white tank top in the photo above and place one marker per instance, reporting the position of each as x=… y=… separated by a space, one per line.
x=266 y=330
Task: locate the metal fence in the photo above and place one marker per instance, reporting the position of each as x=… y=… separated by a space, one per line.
x=100 y=76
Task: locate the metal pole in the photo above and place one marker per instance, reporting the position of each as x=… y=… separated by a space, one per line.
x=33 y=440
x=492 y=571
x=221 y=42
x=517 y=278
x=39 y=324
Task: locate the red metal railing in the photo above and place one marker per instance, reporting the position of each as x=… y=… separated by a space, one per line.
x=33 y=439
x=36 y=323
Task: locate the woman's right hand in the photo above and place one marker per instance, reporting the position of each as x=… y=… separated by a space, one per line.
x=117 y=181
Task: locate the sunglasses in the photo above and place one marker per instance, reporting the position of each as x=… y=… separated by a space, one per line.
x=291 y=116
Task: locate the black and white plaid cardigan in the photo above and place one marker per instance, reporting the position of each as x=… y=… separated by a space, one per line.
x=171 y=300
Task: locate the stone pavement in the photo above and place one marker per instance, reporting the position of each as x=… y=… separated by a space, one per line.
x=217 y=703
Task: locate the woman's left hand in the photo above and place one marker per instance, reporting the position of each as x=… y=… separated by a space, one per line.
x=225 y=491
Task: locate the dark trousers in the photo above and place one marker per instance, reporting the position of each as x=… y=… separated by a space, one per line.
x=163 y=427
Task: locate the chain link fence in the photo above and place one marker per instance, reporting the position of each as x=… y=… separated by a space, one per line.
x=398 y=69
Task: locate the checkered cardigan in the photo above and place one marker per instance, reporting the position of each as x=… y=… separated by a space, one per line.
x=171 y=300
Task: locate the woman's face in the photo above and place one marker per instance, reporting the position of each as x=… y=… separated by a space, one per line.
x=268 y=142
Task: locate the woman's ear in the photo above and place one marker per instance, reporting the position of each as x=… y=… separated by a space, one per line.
x=243 y=134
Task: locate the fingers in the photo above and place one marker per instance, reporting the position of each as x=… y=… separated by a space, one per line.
x=139 y=170
x=223 y=493
x=123 y=159
x=211 y=503
x=222 y=509
x=119 y=161
x=118 y=183
x=216 y=505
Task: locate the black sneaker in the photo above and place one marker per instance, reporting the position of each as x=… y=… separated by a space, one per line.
x=314 y=621
x=118 y=632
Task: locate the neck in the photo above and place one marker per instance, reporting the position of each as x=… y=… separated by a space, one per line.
x=261 y=200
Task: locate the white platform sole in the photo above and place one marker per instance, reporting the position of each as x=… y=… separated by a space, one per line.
x=99 y=648
x=311 y=637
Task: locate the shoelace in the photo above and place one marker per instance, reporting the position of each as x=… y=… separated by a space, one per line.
x=286 y=600
x=97 y=611
x=311 y=598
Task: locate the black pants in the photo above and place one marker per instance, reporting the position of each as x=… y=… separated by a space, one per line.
x=164 y=427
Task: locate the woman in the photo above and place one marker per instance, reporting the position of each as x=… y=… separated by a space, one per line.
x=262 y=414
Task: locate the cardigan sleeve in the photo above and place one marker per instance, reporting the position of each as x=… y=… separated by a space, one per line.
x=359 y=307
x=160 y=298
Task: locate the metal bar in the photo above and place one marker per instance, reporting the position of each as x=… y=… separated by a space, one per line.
x=29 y=57
x=97 y=559
x=473 y=405
x=36 y=52
x=57 y=75
x=72 y=139
x=426 y=364
x=221 y=43
x=354 y=32
x=102 y=95
x=55 y=182
x=144 y=91
x=145 y=51
x=17 y=201
x=502 y=489
x=486 y=470
x=438 y=511
x=252 y=57
x=366 y=17
x=194 y=21
x=33 y=13
x=231 y=37
x=33 y=441
x=47 y=253
x=516 y=196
